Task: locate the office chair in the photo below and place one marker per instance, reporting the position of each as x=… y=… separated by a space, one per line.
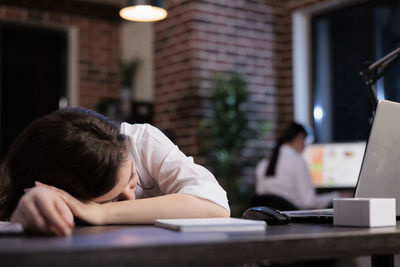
x=273 y=201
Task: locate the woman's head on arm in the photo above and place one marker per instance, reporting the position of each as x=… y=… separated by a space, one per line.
x=74 y=149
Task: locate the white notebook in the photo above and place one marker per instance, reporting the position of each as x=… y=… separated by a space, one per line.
x=8 y=228
x=212 y=225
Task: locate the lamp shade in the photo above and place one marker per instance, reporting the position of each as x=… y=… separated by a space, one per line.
x=143 y=10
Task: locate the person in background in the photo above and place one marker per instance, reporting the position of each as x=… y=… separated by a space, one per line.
x=286 y=173
x=76 y=163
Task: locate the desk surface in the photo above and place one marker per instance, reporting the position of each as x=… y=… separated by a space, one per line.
x=151 y=246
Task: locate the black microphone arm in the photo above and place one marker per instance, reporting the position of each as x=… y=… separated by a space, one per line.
x=371 y=73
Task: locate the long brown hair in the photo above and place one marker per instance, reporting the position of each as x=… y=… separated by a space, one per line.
x=74 y=149
x=289 y=135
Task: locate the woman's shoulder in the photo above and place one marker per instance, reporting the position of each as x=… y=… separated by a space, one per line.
x=131 y=127
x=262 y=162
x=289 y=151
x=290 y=156
x=261 y=167
x=137 y=129
x=145 y=134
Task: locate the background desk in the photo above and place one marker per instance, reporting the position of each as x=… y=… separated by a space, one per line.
x=150 y=246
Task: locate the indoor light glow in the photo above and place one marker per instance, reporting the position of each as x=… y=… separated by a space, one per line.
x=143 y=13
x=318 y=113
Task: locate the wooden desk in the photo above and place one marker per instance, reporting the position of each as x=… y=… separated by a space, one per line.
x=150 y=246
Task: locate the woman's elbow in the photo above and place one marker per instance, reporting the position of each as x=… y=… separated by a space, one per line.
x=214 y=210
x=225 y=213
x=220 y=212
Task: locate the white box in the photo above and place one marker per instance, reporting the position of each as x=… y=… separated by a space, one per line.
x=364 y=212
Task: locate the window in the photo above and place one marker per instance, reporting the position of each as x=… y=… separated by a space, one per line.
x=341 y=41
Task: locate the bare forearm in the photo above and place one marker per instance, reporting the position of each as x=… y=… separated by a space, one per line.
x=168 y=206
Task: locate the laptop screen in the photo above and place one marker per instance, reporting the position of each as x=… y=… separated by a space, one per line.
x=380 y=171
x=335 y=165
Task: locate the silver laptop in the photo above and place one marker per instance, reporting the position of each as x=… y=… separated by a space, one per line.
x=380 y=171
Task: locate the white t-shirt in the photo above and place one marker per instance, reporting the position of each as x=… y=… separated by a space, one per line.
x=292 y=181
x=163 y=169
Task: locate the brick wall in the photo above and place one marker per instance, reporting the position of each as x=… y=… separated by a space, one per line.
x=198 y=38
x=98 y=40
x=202 y=37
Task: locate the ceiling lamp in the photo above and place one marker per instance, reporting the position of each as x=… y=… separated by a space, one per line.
x=143 y=10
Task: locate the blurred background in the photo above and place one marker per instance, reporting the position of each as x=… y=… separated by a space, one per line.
x=246 y=67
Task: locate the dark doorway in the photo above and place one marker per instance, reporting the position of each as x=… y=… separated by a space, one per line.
x=33 y=69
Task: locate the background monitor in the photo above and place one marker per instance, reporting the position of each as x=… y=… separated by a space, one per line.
x=336 y=164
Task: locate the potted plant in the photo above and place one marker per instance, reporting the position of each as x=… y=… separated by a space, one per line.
x=119 y=109
x=223 y=135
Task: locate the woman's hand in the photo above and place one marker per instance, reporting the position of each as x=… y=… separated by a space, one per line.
x=43 y=211
x=90 y=212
